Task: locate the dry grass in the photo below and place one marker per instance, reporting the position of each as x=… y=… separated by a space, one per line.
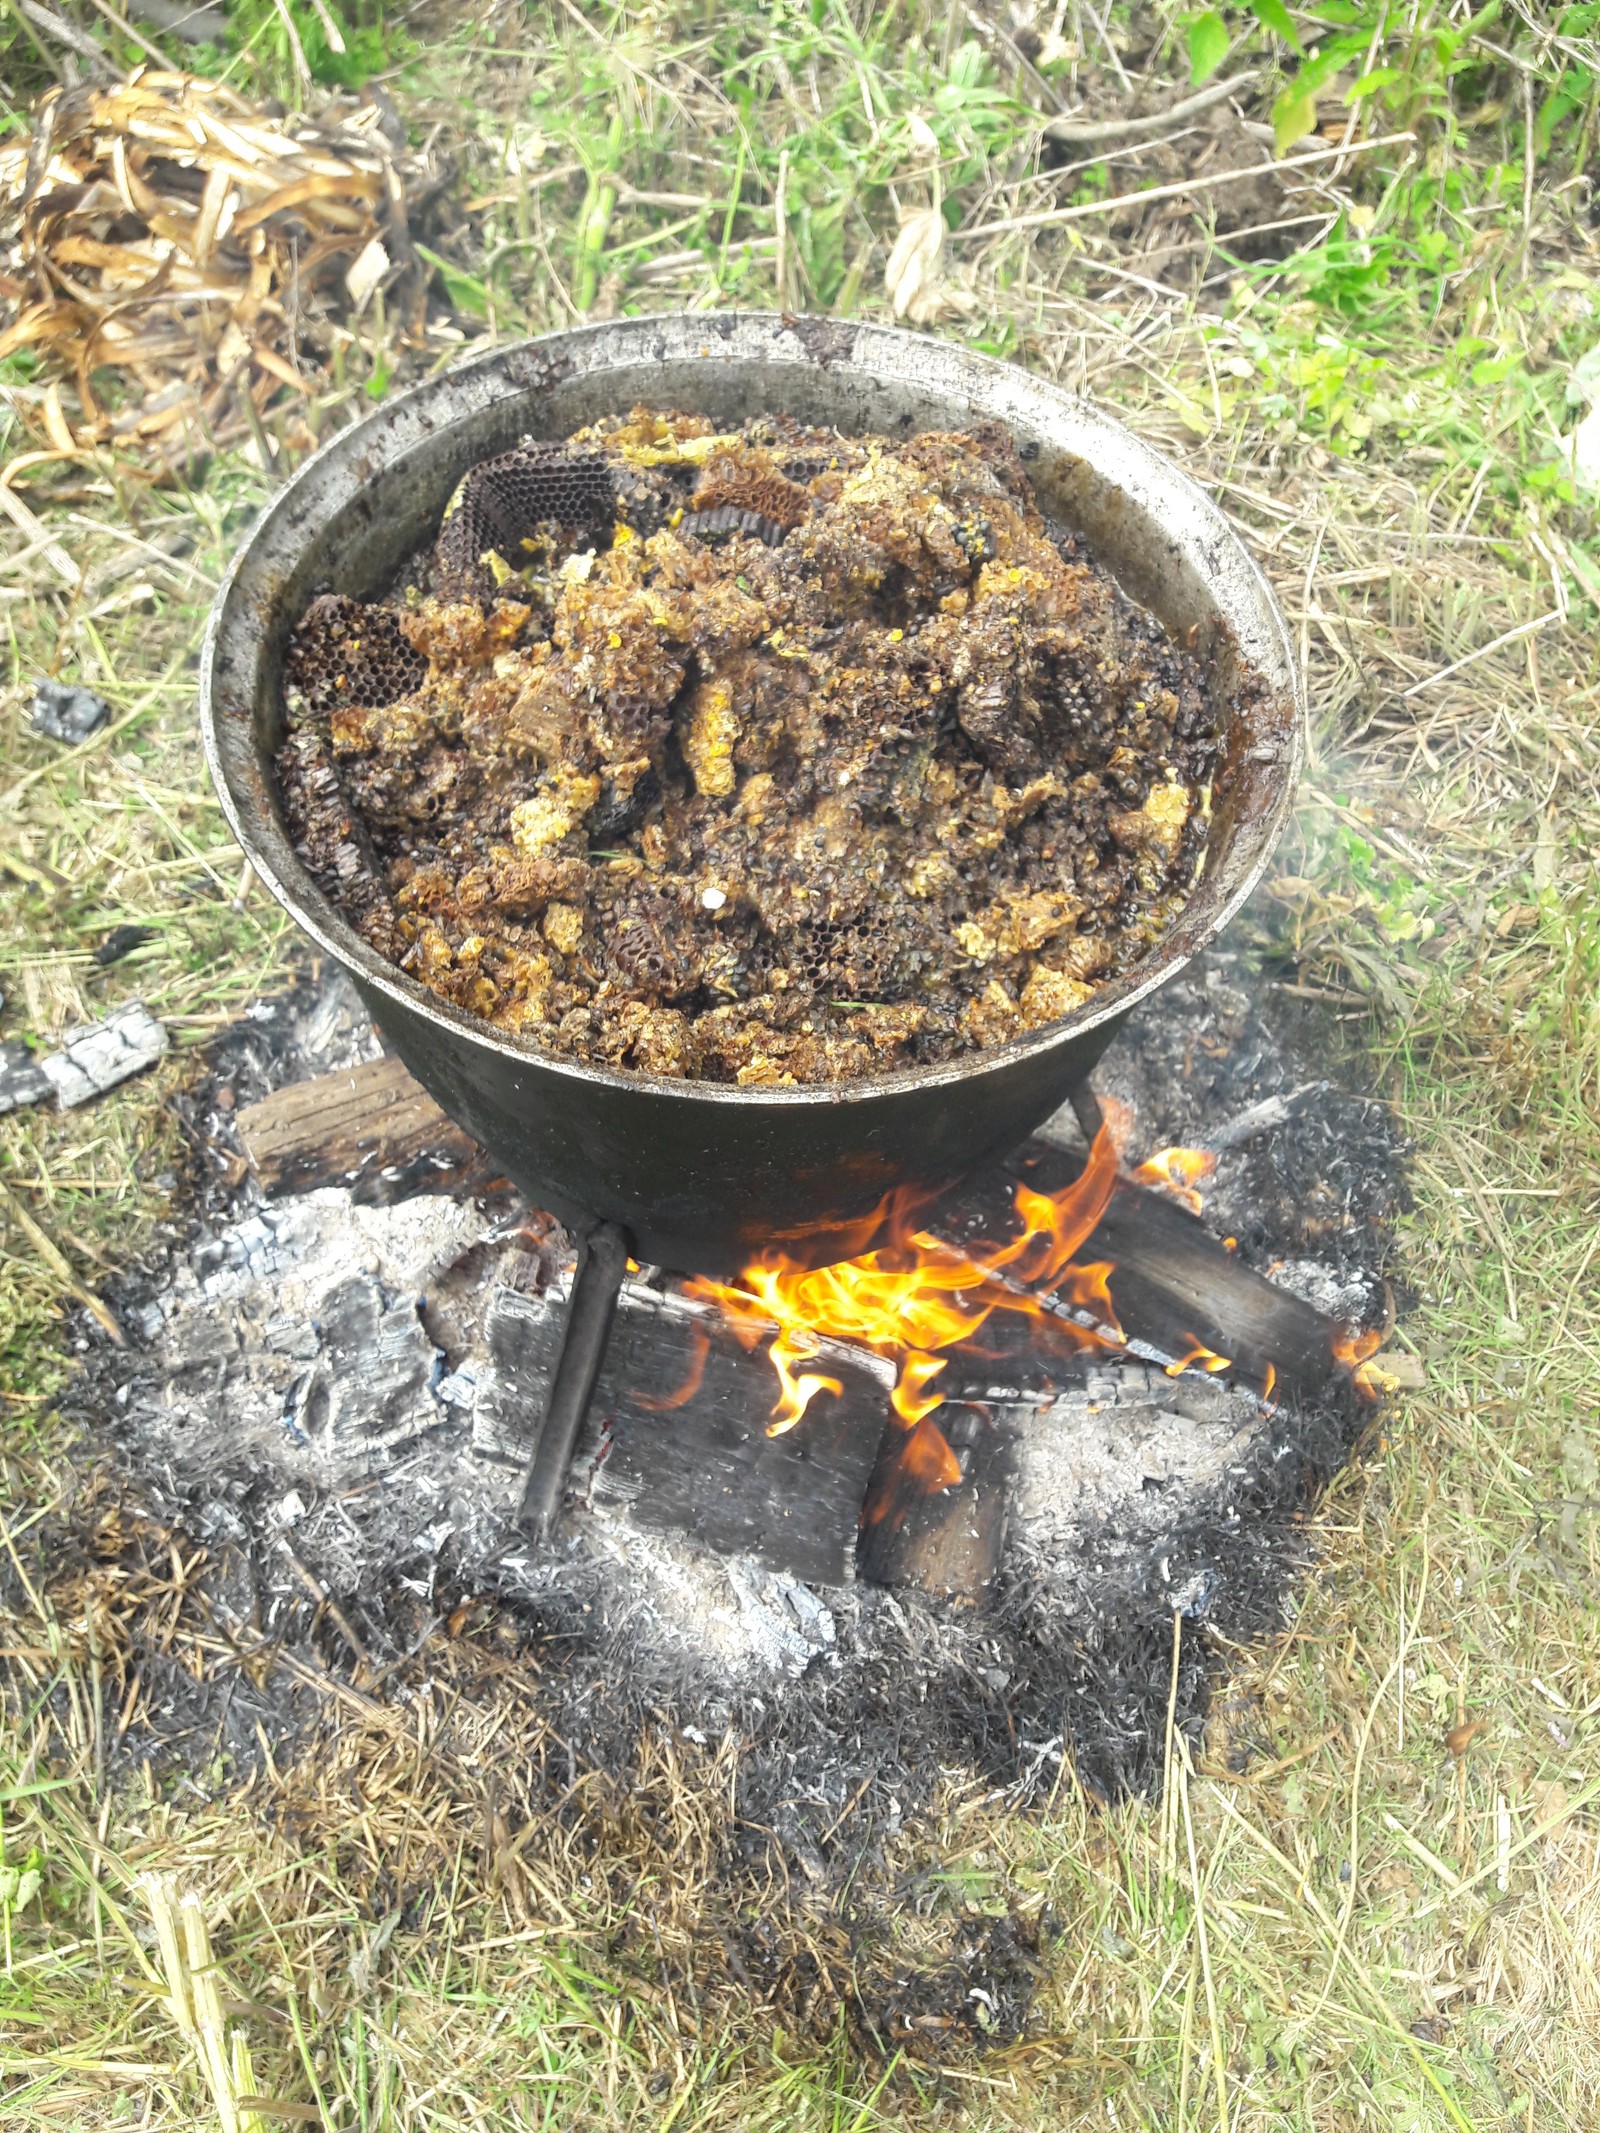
x=1393 y=1919
x=242 y=247
x=123 y=830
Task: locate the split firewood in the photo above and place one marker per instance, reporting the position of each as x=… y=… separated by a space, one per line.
x=678 y=1429
x=370 y=1128
x=941 y=1531
x=1177 y=1291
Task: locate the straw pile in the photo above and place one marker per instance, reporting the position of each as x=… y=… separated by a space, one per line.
x=180 y=256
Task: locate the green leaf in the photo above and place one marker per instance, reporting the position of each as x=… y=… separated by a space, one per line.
x=1586 y=570
x=1294 y=115
x=8 y=1793
x=1274 y=16
x=1330 y=58
x=1208 y=45
x=465 y=291
x=1370 y=84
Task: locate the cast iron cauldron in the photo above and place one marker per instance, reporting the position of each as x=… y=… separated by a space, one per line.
x=699 y=1176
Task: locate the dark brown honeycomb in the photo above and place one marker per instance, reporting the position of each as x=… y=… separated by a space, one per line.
x=329 y=836
x=541 y=497
x=650 y=950
x=725 y=519
x=772 y=757
x=343 y=652
x=749 y=481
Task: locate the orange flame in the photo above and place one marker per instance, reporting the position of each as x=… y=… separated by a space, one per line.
x=796 y=1393
x=1199 y=1357
x=1176 y=1172
x=923 y=1466
x=664 y=1405
x=1352 y=1348
x=914 y=1296
x=1355 y=1350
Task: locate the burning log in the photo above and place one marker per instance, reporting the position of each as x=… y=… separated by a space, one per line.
x=917 y=1298
x=1177 y=1293
x=678 y=1429
x=936 y=1511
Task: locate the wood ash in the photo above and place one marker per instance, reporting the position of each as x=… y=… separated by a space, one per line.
x=315 y=1391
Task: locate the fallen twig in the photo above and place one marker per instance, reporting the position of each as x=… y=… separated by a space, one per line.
x=1049 y=216
x=65 y=33
x=1523 y=629
x=39 y=539
x=121 y=22
x=1084 y=133
x=324 y=1599
x=992 y=34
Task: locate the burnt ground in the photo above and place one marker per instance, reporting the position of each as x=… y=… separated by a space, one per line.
x=750 y=1832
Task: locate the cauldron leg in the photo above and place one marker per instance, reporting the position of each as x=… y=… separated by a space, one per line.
x=1086 y=1110
x=602 y=1262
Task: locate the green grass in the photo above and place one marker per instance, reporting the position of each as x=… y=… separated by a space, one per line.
x=1384 y=412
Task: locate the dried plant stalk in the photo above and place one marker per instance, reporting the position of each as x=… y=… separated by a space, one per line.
x=164 y=229
x=194 y=1993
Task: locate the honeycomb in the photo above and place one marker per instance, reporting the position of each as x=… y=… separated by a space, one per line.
x=721 y=520
x=768 y=757
x=539 y=499
x=343 y=652
x=749 y=480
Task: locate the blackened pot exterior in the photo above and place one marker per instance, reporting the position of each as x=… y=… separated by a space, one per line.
x=701 y=1175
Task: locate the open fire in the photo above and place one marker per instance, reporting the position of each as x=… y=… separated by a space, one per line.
x=1064 y=1495
x=1356 y=1350
x=879 y=1416
x=916 y=1299
x=1178 y=1172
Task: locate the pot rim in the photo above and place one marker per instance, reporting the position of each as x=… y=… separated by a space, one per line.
x=316 y=916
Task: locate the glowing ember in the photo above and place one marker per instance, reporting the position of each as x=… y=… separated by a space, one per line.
x=915 y=1297
x=1176 y=1172
x=1199 y=1357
